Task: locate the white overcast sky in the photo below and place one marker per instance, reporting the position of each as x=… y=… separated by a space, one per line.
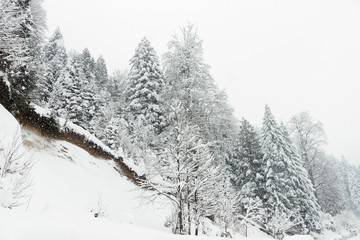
x=301 y=55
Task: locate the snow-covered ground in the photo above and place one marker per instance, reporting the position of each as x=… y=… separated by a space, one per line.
x=67 y=186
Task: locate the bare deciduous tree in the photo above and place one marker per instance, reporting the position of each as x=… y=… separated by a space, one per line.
x=15 y=167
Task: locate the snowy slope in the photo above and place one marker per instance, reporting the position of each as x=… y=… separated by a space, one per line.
x=67 y=184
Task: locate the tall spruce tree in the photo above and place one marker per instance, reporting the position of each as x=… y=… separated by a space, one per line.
x=246 y=170
x=145 y=84
x=68 y=101
x=22 y=26
x=305 y=192
x=101 y=74
x=287 y=186
x=55 y=58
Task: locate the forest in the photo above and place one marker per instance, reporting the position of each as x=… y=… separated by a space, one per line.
x=168 y=117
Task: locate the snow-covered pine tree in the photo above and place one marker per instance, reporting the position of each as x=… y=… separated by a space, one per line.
x=305 y=192
x=13 y=48
x=101 y=73
x=55 y=58
x=22 y=26
x=88 y=64
x=145 y=83
x=67 y=100
x=246 y=170
x=278 y=192
x=284 y=177
x=110 y=114
x=91 y=102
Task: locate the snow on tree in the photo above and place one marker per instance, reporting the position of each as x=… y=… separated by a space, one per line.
x=75 y=92
x=116 y=86
x=89 y=92
x=246 y=170
x=13 y=48
x=354 y=188
x=281 y=222
x=326 y=174
x=184 y=174
x=305 y=192
x=329 y=185
x=145 y=84
x=309 y=137
x=287 y=186
x=188 y=80
x=88 y=64
x=22 y=27
x=226 y=200
x=100 y=71
x=68 y=101
x=187 y=76
x=345 y=187
x=55 y=58
x=15 y=167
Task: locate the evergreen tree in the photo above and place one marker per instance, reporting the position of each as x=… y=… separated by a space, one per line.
x=55 y=58
x=101 y=74
x=145 y=83
x=287 y=187
x=88 y=64
x=22 y=27
x=305 y=192
x=246 y=170
x=68 y=100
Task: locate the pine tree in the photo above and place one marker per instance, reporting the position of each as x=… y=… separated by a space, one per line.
x=88 y=64
x=101 y=74
x=68 y=100
x=22 y=27
x=55 y=61
x=287 y=186
x=145 y=83
x=247 y=173
x=305 y=192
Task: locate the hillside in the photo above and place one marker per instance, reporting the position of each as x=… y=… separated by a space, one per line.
x=67 y=184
